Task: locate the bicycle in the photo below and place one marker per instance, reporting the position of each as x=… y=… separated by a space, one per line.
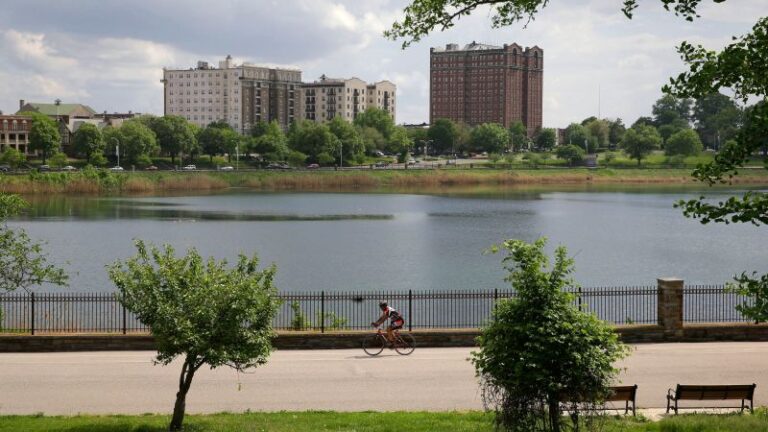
x=374 y=344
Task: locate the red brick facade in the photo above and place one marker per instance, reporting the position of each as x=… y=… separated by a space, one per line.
x=487 y=84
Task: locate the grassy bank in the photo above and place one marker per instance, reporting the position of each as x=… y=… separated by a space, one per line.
x=104 y=182
x=360 y=422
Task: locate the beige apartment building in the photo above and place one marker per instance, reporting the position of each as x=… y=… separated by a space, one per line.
x=240 y=95
x=327 y=98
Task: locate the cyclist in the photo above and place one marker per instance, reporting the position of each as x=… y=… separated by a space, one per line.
x=396 y=320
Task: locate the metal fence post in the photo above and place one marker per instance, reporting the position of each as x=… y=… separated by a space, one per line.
x=125 y=320
x=322 y=311
x=410 y=310
x=32 y=312
x=579 y=290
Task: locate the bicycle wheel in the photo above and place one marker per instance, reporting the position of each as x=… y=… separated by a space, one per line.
x=405 y=344
x=373 y=344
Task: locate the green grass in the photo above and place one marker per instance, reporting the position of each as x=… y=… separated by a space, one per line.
x=361 y=422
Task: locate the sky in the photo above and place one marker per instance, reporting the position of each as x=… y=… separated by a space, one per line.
x=109 y=54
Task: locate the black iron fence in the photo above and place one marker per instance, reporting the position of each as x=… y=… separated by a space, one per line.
x=330 y=311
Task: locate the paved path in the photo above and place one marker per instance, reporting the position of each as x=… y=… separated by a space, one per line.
x=345 y=380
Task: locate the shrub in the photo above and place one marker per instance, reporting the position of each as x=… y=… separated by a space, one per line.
x=540 y=351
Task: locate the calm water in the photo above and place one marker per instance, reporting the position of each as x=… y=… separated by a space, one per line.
x=351 y=241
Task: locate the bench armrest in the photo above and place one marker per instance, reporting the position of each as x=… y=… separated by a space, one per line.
x=670 y=394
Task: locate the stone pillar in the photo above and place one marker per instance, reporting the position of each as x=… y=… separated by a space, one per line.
x=670 y=305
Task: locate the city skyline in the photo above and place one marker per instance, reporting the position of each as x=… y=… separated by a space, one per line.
x=74 y=54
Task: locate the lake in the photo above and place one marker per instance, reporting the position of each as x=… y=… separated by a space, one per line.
x=391 y=241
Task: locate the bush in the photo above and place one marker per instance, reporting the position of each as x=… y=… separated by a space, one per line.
x=571 y=154
x=540 y=352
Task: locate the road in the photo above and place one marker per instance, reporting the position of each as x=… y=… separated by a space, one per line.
x=344 y=380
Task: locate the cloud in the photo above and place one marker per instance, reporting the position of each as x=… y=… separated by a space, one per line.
x=110 y=55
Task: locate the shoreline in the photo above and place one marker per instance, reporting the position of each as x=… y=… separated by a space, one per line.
x=101 y=182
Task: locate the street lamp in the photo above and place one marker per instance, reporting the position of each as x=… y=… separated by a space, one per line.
x=57 y=102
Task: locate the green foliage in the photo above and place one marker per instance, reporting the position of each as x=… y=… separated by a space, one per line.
x=296 y=158
x=269 y=141
x=44 y=135
x=352 y=146
x=539 y=351
x=518 y=136
x=570 y=153
x=378 y=119
x=202 y=310
x=135 y=138
x=174 y=135
x=23 y=264
x=669 y=110
x=599 y=131
x=546 y=139
x=577 y=134
x=489 y=137
x=639 y=141
x=299 y=321
x=398 y=141
x=57 y=159
x=12 y=157
x=616 y=132
x=684 y=142
x=88 y=141
x=312 y=139
x=718 y=119
x=755 y=289
x=445 y=136
x=218 y=138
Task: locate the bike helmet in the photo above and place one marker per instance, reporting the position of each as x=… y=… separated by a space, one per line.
x=382 y=304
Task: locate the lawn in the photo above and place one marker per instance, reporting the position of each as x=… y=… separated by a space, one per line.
x=361 y=422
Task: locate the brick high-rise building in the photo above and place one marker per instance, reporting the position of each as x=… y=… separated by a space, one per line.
x=487 y=84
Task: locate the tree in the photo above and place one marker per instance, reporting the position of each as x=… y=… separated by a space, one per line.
x=174 y=135
x=378 y=119
x=269 y=141
x=137 y=141
x=669 y=109
x=44 y=135
x=88 y=141
x=518 y=136
x=570 y=153
x=352 y=146
x=643 y=121
x=12 y=157
x=640 y=141
x=444 y=135
x=546 y=139
x=399 y=141
x=540 y=351
x=312 y=139
x=599 y=130
x=58 y=159
x=684 y=142
x=577 y=134
x=489 y=137
x=717 y=118
x=204 y=311
x=23 y=264
x=616 y=132
x=218 y=138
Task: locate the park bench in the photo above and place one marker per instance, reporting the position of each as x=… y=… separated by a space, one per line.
x=624 y=394
x=711 y=393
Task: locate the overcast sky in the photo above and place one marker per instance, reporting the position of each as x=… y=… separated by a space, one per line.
x=110 y=54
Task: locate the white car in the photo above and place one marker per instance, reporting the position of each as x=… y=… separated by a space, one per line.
x=116 y=168
x=227 y=168
x=189 y=168
x=69 y=168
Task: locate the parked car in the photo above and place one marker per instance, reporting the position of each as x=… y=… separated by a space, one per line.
x=190 y=168
x=151 y=168
x=276 y=165
x=313 y=166
x=44 y=168
x=117 y=168
x=69 y=168
x=227 y=168
x=5 y=168
x=381 y=164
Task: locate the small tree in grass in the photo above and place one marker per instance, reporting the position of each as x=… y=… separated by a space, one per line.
x=539 y=352
x=201 y=310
